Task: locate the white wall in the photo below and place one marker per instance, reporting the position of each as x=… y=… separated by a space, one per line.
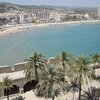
x=99 y=11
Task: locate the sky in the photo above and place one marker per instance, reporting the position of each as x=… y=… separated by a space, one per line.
x=72 y=3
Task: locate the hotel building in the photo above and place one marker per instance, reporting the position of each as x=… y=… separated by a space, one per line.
x=54 y=16
x=42 y=15
x=25 y=18
x=99 y=11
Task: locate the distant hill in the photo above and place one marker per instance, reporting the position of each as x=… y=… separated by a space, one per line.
x=7 y=7
x=84 y=10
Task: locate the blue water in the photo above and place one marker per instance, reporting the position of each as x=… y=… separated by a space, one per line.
x=50 y=41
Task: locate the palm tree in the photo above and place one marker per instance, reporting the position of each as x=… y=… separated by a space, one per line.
x=7 y=84
x=82 y=72
x=50 y=84
x=95 y=59
x=97 y=78
x=73 y=87
x=89 y=94
x=34 y=62
x=0 y=88
x=63 y=60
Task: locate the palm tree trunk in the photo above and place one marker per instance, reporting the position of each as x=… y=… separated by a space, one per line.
x=73 y=95
x=94 y=66
x=36 y=74
x=80 y=92
x=80 y=88
x=53 y=98
x=63 y=68
x=7 y=97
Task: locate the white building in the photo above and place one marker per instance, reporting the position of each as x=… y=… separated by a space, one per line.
x=25 y=18
x=99 y=11
x=86 y=16
x=48 y=16
x=21 y=18
x=42 y=15
x=54 y=16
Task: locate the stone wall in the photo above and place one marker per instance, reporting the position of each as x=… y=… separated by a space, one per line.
x=5 y=69
x=18 y=82
x=14 y=68
x=19 y=66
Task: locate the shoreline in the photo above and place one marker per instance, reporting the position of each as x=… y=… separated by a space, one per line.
x=11 y=29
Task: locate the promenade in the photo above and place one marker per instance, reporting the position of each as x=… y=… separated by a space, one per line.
x=30 y=94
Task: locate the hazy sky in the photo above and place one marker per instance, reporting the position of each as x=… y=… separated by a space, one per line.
x=56 y=2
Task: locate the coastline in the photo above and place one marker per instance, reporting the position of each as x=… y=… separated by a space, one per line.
x=11 y=29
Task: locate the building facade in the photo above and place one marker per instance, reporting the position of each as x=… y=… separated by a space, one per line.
x=25 y=18
x=54 y=16
x=99 y=11
x=42 y=16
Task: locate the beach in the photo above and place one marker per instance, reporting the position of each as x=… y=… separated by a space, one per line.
x=10 y=29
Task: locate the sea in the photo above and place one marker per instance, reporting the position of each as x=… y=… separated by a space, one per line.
x=50 y=41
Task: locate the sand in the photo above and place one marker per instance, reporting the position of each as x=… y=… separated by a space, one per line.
x=10 y=29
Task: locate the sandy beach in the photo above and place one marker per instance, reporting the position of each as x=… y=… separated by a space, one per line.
x=10 y=29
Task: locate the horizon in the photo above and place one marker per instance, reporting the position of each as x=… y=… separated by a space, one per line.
x=53 y=5
x=69 y=3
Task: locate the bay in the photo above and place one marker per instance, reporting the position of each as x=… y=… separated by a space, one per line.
x=81 y=39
